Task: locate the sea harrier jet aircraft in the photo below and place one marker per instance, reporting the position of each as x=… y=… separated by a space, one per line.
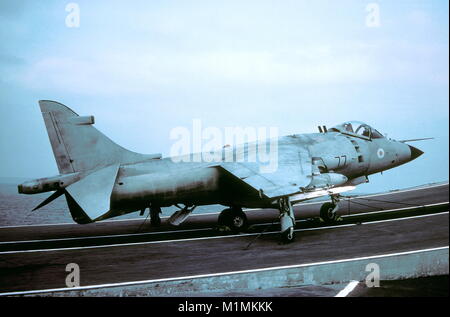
x=101 y=180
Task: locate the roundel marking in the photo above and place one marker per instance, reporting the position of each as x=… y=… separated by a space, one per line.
x=380 y=153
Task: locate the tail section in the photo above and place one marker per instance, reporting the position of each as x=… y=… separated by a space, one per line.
x=78 y=146
x=88 y=161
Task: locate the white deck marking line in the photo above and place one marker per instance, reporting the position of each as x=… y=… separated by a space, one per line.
x=406 y=218
x=214 y=237
x=107 y=236
x=372 y=222
x=348 y=289
x=396 y=209
x=201 y=229
x=215 y=213
x=121 y=284
x=368 y=195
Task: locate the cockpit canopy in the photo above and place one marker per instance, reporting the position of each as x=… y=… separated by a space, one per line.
x=357 y=128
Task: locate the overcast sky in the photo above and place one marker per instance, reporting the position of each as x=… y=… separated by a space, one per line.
x=144 y=67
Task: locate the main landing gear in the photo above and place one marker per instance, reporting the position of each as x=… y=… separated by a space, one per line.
x=328 y=211
x=236 y=220
x=233 y=218
x=155 y=219
x=287 y=220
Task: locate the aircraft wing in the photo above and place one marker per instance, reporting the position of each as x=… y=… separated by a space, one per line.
x=291 y=171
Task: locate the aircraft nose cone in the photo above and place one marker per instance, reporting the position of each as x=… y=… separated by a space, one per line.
x=415 y=152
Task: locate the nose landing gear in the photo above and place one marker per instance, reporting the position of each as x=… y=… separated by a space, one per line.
x=328 y=211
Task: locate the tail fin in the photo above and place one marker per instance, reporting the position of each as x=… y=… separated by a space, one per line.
x=77 y=145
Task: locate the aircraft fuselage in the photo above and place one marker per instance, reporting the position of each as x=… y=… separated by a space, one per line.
x=165 y=182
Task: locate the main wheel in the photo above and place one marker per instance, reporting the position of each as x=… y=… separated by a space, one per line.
x=235 y=219
x=327 y=213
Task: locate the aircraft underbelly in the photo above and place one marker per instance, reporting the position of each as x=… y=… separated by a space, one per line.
x=196 y=186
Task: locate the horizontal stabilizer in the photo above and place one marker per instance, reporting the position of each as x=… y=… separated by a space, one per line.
x=93 y=192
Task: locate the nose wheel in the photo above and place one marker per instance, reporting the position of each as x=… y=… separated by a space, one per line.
x=233 y=218
x=328 y=211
